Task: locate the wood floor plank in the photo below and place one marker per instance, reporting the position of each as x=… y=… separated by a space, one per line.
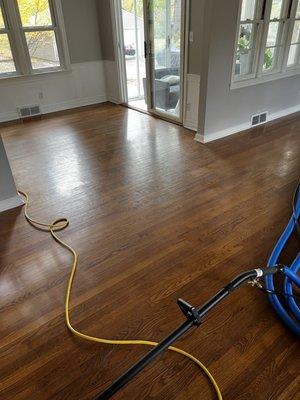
x=154 y=216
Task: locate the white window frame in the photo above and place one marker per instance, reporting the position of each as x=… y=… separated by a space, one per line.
x=290 y=34
x=6 y=30
x=16 y=33
x=262 y=19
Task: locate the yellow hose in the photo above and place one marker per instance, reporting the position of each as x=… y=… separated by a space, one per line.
x=62 y=223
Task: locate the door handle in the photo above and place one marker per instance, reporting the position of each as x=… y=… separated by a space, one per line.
x=168 y=41
x=145 y=49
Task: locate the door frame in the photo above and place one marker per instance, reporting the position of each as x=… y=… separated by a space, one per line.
x=118 y=39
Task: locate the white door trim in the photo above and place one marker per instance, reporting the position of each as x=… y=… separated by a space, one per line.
x=183 y=68
x=118 y=40
x=186 y=28
x=116 y=18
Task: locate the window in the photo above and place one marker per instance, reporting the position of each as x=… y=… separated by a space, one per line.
x=294 y=50
x=246 y=53
x=7 y=64
x=32 y=37
x=268 y=41
x=274 y=43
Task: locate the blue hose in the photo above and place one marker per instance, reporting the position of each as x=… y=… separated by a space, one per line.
x=291 y=314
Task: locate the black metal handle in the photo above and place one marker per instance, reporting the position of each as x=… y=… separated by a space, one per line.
x=194 y=316
x=143 y=362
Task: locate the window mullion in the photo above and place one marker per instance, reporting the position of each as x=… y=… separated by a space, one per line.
x=38 y=28
x=292 y=21
x=33 y=49
x=281 y=38
x=18 y=46
x=261 y=32
x=273 y=55
x=266 y=18
x=56 y=9
x=283 y=34
x=287 y=34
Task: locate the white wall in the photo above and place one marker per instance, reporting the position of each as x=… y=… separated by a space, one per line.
x=8 y=192
x=113 y=90
x=83 y=85
x=229 y=111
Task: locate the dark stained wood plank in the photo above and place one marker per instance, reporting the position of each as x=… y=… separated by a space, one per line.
x=154 y=216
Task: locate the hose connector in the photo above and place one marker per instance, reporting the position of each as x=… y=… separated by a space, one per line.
x=269 y=271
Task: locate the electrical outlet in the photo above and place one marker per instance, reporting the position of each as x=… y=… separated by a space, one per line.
x=41 y=95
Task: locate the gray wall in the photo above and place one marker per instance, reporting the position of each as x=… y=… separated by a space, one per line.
x=227 y=108
x=196 y=26
x=210 y=55
x=7 y=185
x=196 y=20
x=106 y=32
x=201 y=63
x=82 y=28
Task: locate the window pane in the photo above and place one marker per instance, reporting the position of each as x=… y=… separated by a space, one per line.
x=248 y=9
x=35 y=12
x=6 y=59
x=272 y=34
x=276 y=9
x=296 y=32
x=244 y=62
x=270 y=59
x=1 y=20
x=42 y=49
x=298 y=10
x=294 y=54
x=245 y=37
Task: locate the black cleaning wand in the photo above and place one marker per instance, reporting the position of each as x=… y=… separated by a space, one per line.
x=194 y=318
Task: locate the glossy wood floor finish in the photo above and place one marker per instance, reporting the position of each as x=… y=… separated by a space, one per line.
x=154 y=216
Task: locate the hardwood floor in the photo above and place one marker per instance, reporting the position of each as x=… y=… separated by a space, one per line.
x=154 y=216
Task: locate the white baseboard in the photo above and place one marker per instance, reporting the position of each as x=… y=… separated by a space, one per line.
x=8 y=116
x=202 y=138
x=83 y=85
x=192 y=125
x=66 y=105
x=11 y=203
x=113 y=89
x=199 y=138
x=113 y=99
x=284 y=113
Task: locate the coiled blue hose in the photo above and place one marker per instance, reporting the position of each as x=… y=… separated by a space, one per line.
x=291 y=314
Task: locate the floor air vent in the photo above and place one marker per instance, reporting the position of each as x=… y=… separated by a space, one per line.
x=259 y=119
x=29 y=111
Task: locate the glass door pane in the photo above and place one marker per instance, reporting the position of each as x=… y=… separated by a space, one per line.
x=165 y=18
x=134 y=52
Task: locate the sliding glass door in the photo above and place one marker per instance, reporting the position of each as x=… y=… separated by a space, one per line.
x=165 y=56
x=134 y=55
x=153 y=55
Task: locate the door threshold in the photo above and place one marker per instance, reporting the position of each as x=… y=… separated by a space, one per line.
x=151 y=115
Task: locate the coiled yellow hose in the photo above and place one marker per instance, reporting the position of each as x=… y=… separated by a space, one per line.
x=62 y=223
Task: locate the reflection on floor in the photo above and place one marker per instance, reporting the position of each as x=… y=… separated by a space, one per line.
x=154 y=216
x=138 y=103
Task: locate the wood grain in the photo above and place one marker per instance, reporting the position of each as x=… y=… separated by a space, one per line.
x=154 y=216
